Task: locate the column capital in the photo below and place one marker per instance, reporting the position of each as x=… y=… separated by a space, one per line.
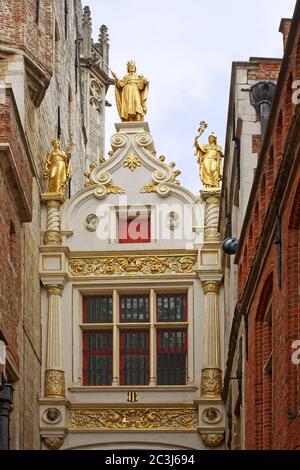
x=211 y=287
x=55 y=290
x=53 y=197
x=211 y=196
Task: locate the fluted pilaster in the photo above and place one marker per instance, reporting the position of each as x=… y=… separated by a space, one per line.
x=54 y=375
x=211 y=376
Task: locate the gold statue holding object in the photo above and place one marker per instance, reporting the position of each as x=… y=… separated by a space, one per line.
x=209 y=159
x=58 y=167
x=131 y=94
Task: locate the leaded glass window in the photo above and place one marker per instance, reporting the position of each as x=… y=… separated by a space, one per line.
x=171 y=357
x=171 y=308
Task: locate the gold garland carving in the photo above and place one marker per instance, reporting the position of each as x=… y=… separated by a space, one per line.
x=52 y=237
x=55 y=383
x=136 y=265
x=211 y=383
x=54 y=443
x=212 y=440
x=134 y=419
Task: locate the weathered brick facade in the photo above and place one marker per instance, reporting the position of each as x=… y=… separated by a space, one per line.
x=268 y=268
x=44 y=93
x=243 y=143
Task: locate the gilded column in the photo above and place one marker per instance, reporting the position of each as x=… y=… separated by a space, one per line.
x=211 y=376
x=55 y=373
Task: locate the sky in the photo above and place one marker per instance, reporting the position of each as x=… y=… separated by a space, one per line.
x=185 y=49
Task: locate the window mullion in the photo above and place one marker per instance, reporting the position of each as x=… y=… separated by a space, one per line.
x=152 y=338
x=116 y=339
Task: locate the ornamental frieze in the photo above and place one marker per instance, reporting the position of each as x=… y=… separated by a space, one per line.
x=184 y=419
x=132 y=265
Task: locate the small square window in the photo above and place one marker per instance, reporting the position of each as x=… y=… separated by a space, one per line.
x=134 y=229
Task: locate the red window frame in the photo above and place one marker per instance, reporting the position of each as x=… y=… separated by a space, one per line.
x=170 y=295
x=173 y=350
x=96 y=352
x=134 y=352
x=84 y=302
x=124 y=229
x=160 y=350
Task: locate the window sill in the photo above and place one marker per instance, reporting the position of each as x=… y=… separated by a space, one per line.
x=132 y=388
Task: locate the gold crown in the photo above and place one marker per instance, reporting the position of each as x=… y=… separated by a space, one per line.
x=131 y=62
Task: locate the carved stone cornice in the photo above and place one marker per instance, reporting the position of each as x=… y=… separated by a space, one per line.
x=211 y=287
x=132 y=419
x=104 y=266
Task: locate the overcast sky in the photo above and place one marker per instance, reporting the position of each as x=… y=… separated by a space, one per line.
x=185 y=48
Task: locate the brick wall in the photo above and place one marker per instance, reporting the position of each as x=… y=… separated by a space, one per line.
x=272 y=397
x=18 y=28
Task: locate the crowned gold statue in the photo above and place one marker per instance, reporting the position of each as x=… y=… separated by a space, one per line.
x=58 y=167
x=209 y=159
x=131 y=94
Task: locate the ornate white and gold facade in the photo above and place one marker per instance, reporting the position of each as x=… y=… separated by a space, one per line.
x=131 y=312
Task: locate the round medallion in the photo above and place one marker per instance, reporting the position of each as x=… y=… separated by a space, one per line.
x=211 y=415
x=172 y=220
x=52 y=416
x=91 y=222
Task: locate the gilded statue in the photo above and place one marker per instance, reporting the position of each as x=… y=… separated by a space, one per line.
x=209 y=159
x=131 y=94
x=58 y=167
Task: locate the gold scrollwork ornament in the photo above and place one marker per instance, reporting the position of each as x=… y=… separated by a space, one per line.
x=139 y=265
x=134 y=419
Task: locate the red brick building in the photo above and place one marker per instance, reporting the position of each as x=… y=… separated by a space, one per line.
x=53 y=83
x=269 y=269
